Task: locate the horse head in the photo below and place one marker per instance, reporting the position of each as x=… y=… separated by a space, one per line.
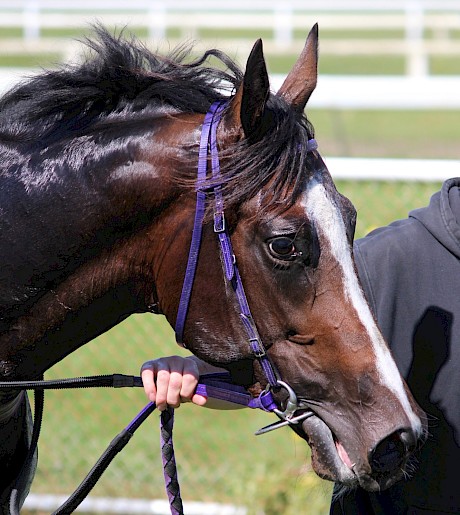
x=96 y=163
x=292 y=236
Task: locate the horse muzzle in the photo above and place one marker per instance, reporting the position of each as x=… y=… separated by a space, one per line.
x=375 y=470
x=347 y=461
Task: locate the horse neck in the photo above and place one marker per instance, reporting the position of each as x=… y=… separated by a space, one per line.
x=119 y=249
x=119 y=186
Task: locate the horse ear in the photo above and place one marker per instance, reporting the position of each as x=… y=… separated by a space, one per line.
x=301 y=80
x=248 y=104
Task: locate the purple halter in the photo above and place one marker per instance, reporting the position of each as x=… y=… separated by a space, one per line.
x=209 y=140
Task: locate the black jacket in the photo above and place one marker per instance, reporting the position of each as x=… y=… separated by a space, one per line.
x=410 y=272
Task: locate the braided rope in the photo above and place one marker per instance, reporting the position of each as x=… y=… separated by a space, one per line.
x=169 y=462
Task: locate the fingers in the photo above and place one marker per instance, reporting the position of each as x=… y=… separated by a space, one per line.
x=170 y=381
x=148 y=381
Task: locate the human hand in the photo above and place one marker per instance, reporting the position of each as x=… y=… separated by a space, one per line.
x=170 y=381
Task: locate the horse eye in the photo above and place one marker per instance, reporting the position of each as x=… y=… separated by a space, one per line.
x=282 y=248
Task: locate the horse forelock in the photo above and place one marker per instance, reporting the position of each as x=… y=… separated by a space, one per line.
x=276 y=166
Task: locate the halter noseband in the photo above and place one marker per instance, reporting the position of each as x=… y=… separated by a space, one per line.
x=209 y=141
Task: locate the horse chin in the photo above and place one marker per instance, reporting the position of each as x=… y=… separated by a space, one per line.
x=331 y=462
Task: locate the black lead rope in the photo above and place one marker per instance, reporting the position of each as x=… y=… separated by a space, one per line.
x=169 y=462
x=21 y=480
x=217 y=386
x=104 y=381
x=115 y=446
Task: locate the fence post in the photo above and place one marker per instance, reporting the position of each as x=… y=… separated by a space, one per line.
x=157 y=20
x=31 y=20
x=282 y=29
x=416 y=57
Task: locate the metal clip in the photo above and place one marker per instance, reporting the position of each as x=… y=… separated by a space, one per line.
x=287 y=416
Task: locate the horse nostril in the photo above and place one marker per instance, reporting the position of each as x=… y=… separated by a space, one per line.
x=389 y=454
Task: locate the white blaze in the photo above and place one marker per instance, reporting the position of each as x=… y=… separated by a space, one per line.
x=331 y=229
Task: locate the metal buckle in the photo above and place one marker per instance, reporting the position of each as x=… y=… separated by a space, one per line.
x=257 y=348
x=219 y=222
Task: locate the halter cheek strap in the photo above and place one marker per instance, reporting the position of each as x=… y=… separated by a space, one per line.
x=196 y=233
x=208 y=142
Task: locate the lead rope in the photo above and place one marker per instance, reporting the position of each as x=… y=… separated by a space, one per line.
x=169 y=462
x=216 y=386
x=21 y=480
x=115 y=446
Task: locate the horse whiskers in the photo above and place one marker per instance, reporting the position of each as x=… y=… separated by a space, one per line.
x=341 y=490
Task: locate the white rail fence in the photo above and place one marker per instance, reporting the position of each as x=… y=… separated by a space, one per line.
x=388 y=169
x=415 y=18
x=48 y=503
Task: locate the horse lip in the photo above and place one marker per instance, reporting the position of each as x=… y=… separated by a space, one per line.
x=321 y=440
x=343 y=455
x=323 y=443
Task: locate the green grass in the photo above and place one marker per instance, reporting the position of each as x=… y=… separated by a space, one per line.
x=387 y=133
x=361 y=33
x=440 y=65
x=30 y=61
x=343 y=65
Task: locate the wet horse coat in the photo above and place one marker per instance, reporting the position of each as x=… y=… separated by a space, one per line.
x=98 y=185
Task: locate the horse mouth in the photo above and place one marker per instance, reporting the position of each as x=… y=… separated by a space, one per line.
x=331 y=461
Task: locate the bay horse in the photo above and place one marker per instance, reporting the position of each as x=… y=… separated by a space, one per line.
x=97 y=183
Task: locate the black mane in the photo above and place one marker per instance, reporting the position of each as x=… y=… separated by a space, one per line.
x=117 y=76
x=122 y=80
